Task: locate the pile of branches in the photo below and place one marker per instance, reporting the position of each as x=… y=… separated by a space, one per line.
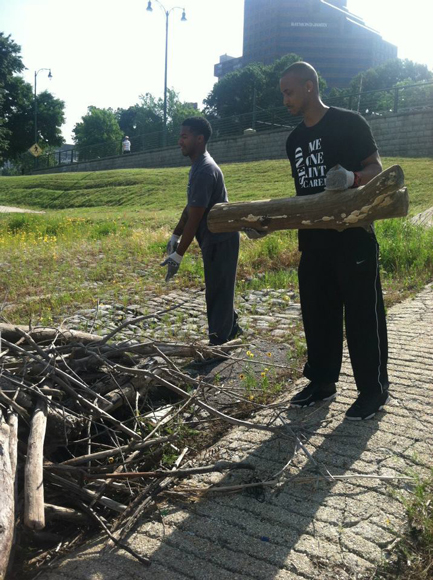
x=84 y=430
x=91 y=434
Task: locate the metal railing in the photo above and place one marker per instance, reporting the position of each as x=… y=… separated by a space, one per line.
x=369 y=103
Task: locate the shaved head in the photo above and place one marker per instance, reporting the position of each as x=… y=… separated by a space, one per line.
x=304 y=72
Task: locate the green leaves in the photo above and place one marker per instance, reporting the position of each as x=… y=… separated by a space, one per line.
x=234 y=93
x=17 y=106
x=98 y=134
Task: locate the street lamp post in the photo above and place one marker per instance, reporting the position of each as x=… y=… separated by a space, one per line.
x=50 y=76
x=183 y=19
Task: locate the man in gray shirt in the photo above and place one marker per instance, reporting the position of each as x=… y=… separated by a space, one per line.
x=219 y=251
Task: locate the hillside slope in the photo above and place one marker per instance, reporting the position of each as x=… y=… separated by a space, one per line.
x=155 y=189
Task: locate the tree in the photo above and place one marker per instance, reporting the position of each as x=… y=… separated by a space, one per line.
x=98 y=134
x=234 y=93
x=20 y=122
x=384 y=78
x=10 y=63
x=391 y=73
x=17 y=105
x=144 y=121
x=4 y=133
x=256 y=87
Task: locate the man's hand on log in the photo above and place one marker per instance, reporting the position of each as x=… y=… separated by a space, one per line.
x=338 y=179
x=172 y=262
x=254 y=234
x=172 y=244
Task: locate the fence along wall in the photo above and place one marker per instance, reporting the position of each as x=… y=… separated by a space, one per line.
x=397 y=135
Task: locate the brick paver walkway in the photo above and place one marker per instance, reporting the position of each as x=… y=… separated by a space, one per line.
x=307 y=528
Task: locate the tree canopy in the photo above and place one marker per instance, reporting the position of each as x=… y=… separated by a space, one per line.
x=390 y=74
x=394 y=73
x=234 y=93
x=147 y=116
x=17 y=106
x=98 y=134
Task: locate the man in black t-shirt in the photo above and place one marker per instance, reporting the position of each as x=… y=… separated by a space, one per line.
x=220 y=252
x=334 y=149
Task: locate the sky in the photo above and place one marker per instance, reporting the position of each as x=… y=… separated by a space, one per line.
x=106 y=53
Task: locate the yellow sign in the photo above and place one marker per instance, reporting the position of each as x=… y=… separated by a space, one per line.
x=35 y=150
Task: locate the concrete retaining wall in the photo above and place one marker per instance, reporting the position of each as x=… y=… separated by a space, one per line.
x=397 y=135
x=404 y=134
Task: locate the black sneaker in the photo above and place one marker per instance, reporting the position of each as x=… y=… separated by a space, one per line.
x=236 y=331
x=367 y=405
x=313 y=393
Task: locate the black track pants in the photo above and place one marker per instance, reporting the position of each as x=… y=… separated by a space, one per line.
x=345 y=279
x=220 y=262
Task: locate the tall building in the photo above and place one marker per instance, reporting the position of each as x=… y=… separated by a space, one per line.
x=324 y=33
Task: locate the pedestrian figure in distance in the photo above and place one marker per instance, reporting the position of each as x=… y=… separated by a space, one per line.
x=334 y=149
x=126 y=145
x=220 y=252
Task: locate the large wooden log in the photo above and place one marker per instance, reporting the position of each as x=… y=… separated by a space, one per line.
x=383 y=197
x=7 y=486
x=34 y=512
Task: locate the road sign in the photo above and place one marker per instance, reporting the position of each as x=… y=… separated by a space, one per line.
x=35 y=150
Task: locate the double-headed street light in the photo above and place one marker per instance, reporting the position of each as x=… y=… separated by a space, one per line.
x=183 y=19
x=50 y=76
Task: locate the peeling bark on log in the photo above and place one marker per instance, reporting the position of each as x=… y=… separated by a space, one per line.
x=7 y=505
x=382 y=198
x=34 y=514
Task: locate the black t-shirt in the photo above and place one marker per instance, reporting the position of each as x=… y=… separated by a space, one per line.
x=206 y=187
x=340 y=137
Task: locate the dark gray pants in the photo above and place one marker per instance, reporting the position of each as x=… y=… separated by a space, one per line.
x=220 y=262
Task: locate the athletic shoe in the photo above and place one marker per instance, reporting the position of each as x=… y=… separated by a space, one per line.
x=367 y=405
x=313 y=393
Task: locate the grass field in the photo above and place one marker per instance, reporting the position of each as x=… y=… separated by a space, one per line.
x=104 y=233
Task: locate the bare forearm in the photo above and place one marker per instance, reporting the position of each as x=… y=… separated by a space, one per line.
x=369 y=172
x=178 y=230
x=195 y=215
x=189 y=232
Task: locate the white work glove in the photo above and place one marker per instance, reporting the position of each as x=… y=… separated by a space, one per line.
x=339 y=178
x=254 y=234
x=172 y=244
x=172 y=262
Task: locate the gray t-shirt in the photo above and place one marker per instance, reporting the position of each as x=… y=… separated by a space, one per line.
x=206 y=187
